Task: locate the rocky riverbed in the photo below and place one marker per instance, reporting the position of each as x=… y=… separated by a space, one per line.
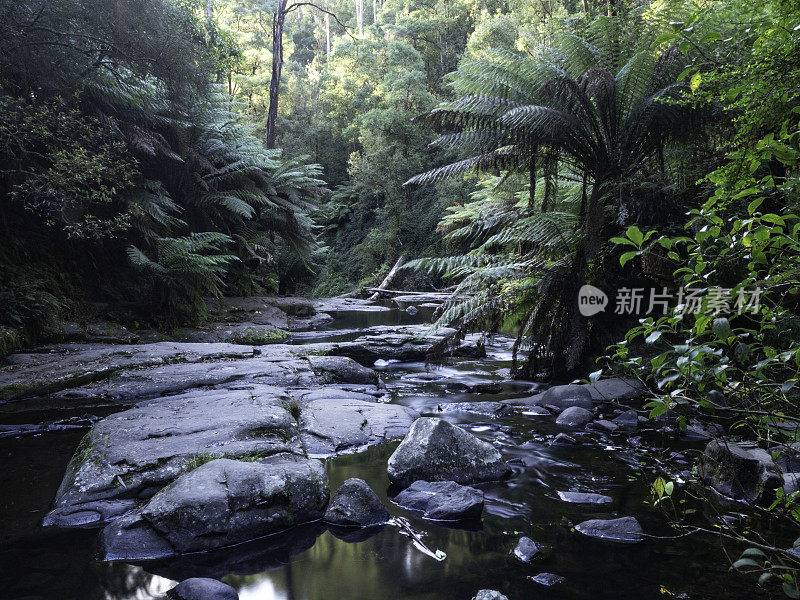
x=213 y=453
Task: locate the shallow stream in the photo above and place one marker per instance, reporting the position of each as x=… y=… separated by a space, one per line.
x=312 y=563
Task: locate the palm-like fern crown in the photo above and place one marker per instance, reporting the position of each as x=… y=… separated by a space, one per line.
x=598 y=102
x=589 y=112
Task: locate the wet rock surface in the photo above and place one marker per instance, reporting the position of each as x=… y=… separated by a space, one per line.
x=131 y=455
x=356 y=505
x=739 y=470
x=339 y=425
x=574 y=416
x=202 y=588
x=585 y=498
x=442 y=500
x=435 y=450
x=526 y=549
x=624 y=530
x=220 y=503
x=404 y=342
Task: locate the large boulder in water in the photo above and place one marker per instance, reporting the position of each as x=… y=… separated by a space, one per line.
x=567 y=396
x=740 y=471
x=220 y=503
x=575 y=416
x=356 y=505
x=435 y=450
x=442 y=500
x=129 y=456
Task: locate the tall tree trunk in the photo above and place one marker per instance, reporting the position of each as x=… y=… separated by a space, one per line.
x=327 y=34
x=360 y=16
x=277 y=66
x=374 y=11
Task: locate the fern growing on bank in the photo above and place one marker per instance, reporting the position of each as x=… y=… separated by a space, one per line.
x=595 y=111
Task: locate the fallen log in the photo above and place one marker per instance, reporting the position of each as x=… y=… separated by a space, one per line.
x=388 y=279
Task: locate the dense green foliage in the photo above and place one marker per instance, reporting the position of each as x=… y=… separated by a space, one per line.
x=129 y=176
x=583 y=125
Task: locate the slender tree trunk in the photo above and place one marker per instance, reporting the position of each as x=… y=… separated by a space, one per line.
x=327 y=34
x=374 y=11
x=277 y=66
x=360 y=16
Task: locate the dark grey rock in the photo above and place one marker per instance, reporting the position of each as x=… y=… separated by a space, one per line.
x=625 y=530
x=331 y=426
x=341 y=369
x=791 y=483
x=412 y=310
x=202 y=588
x=526 y=549
x=628 y=420
x=695 y=430
x=562 y=439
x=487 y=409
x=129 y=456
x=356 y=505
x=788 y=458
x=574 y=417
x=487 y=387
x=739 y=470
x=489 y=595
x=548 y=579
x=615 y=389
x=442 y=500
x=567 y=396
x=220 y=503
x=335 y=393
x=402 y=342
x=605 y=426
x=584 y=498
x=435 y=450
x=67 y=366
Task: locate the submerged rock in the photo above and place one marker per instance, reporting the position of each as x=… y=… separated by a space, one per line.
x=625 y=530
x=526 y=549
x=585 y=498
x=435 y=450
x=220 y=503
x=575 y=416
x=739 y=471
x=202 y=588
x=548 y=579
x=442 y=500
x=356 y=505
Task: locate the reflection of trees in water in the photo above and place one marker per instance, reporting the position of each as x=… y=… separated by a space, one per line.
x=123 y=582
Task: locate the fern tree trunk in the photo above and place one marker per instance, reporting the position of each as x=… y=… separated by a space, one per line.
x=277 y=66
